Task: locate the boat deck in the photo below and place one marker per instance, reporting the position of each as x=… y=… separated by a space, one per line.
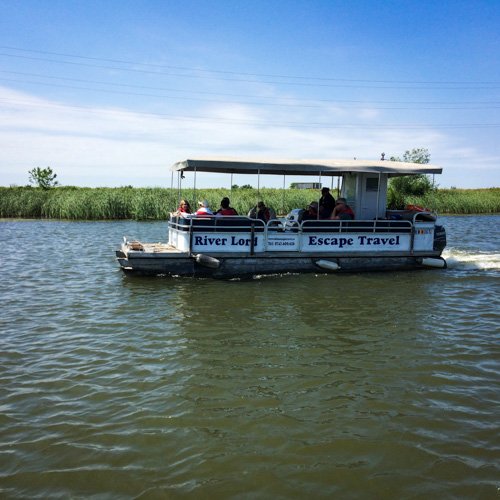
x=150 y=248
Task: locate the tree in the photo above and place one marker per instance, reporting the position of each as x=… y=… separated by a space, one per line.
x=416 y=155
x=410 y=185
x=43 y=177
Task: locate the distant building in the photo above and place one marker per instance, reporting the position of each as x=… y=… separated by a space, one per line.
x=305 y=185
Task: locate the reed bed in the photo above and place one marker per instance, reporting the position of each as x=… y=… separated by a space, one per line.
x=156 y=203
x=460 y=201
x=136 y=203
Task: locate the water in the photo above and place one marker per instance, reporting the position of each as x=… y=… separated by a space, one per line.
x=370 y=385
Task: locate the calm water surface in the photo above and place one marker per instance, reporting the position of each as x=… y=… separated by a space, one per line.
x=367 y=385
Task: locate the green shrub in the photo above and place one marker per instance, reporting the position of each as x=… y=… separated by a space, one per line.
x=402 y=188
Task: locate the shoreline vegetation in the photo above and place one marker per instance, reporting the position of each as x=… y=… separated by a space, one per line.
x=76 y=203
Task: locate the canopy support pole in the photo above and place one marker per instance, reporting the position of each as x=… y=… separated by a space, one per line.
x=195 y=201
x=258 y=185
x=378 y=200
x=283 y=205
x=319 y=201
x=172 y=192
x=179 y=188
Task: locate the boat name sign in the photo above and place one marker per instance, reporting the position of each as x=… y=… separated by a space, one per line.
x=355 y=242
x=305 y=243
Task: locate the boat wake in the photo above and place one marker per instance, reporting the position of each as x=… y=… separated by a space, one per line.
x=463 y=259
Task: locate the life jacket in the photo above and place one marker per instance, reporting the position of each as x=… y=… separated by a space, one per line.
x=263 y=214
x=416 y=208
x=227 y=211
x=346 y=212
x=203 y=212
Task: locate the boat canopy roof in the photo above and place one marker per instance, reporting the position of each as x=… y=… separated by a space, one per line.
x=302 y=167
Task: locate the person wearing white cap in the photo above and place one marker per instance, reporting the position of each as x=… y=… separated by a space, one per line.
x=203 y=209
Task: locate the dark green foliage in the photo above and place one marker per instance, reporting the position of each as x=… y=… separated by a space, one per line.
x=401 y=188
x=43 y=177
x=413 y=185
x=416 y=155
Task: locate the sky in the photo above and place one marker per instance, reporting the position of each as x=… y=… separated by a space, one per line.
x=112 y=93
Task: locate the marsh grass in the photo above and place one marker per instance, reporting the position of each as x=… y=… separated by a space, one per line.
x=460 y=201
x=156 y=203
x=136 y=203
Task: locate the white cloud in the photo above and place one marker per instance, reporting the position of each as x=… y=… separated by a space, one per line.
x=115 y=146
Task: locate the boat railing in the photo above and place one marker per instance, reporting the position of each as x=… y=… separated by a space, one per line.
x=356 y=226
x=412 y=215
x=247 y=224
x=214 y=224
x=279 y=225
x=424 y=217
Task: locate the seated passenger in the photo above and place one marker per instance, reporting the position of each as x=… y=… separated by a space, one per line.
x=183 y=209
x=203 y=209
x=311 y=213
x=225 y=209
x=262 y=212
x=342 y=210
